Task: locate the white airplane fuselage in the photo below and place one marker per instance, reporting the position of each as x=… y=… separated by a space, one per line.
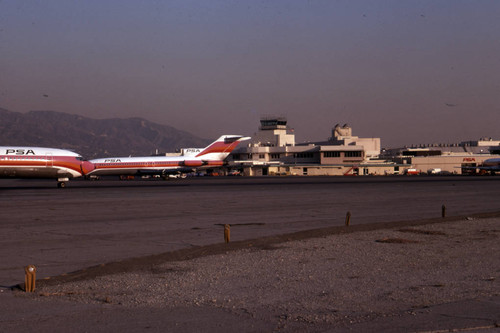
x=211 y=156
x=146 y=165
x=40 y=162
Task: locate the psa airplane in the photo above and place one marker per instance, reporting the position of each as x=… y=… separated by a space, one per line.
x=211 y=156
x=491 y=165
x=38 y=162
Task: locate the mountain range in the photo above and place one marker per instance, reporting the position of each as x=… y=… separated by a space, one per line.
x=93 y=137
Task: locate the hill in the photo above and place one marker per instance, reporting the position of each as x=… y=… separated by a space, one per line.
x=92 y=137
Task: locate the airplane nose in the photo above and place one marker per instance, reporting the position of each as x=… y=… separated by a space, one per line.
x=87 y=167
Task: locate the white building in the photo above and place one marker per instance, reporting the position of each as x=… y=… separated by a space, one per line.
x=273 y=151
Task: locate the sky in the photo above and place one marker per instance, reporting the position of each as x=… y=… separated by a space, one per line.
x=408 y=72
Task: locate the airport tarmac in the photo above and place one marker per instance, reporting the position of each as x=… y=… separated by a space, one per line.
x=90 y=223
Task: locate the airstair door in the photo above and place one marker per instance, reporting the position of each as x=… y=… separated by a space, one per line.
x=49 y=160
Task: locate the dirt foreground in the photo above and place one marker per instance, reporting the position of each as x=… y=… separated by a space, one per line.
x=418 y=277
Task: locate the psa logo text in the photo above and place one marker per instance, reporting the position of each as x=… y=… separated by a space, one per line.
x=19 y=152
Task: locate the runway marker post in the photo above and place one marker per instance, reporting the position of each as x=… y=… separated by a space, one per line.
x=443 y=211
x=227 y=233
x=348 y=219
x=30 y=278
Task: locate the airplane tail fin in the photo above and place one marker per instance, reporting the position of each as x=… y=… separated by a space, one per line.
x=219 y=149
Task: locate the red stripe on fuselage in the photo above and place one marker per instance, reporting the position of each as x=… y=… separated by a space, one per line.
x=47 y=162
x=68 y=162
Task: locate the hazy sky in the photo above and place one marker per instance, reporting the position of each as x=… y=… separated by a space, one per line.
x=405 y=71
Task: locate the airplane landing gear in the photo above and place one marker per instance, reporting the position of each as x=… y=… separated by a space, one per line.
x=61 y=182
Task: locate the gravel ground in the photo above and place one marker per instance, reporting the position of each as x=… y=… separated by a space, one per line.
x=328 y=283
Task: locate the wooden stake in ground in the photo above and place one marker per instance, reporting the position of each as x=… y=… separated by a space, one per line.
x=348 y=219
x=227 y=233
x=30 y=278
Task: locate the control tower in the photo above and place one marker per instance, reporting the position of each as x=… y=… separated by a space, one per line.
x=273 y=132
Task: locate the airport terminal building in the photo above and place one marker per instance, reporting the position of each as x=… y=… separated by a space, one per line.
x=273 y=151
x=458 y=158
